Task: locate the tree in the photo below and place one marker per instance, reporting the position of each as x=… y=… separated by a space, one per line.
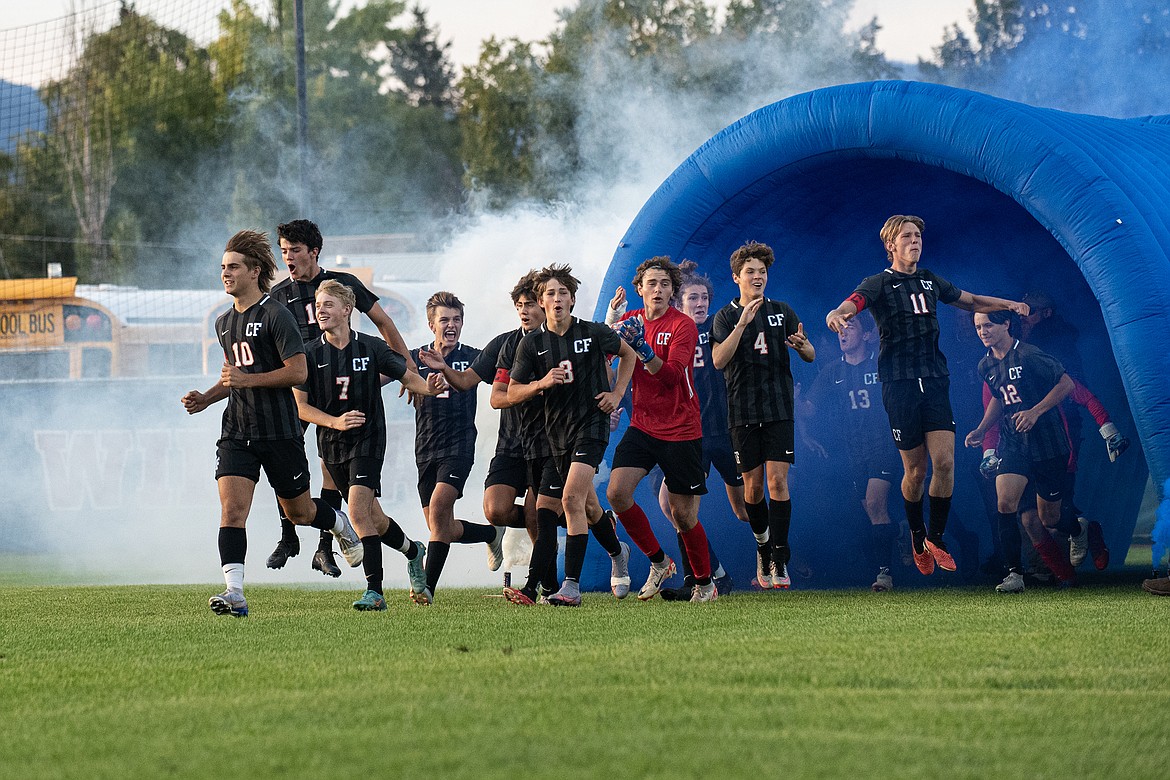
x=422 y=65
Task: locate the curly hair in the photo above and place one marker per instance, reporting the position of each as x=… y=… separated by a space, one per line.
x=752 y=250
x=301 y=231
x=662 y=263
x=692 y=278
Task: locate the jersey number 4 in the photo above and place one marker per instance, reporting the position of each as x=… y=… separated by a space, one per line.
x=761 y=344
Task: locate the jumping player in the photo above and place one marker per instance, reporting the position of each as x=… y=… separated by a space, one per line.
x=665 y=428
x=566 y=360
x=913 y=371
x=343 y=398
x=751 y=337
x=1027 y=386
x=300 y=248
x=264 y=358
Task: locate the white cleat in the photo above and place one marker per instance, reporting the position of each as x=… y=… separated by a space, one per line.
x=764 y=568
x=348 y=541
x=704 y=593
x=883 y=582
x=495 y=550
x=1078 y=546
x=659 y=574
x=619 y=575
x=780 y=578
x=1012 y=583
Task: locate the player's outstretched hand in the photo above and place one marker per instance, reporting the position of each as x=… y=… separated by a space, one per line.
x=633 y=332
x=836 y=321
x=618 y=300
x=798 y=340
x=973 y=439
x=431 y=358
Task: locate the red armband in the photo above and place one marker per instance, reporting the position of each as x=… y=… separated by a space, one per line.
x=858 y=300
x=502 y=375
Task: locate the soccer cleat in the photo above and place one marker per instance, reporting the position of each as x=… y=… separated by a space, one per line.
x=323 y=562
x=518 y=596
x=1078 y=546
x=371 y=601
x=424 y=597
x=348 y=541
x=659 y=574
x=905 y=546
x=619 y=574
x=938 y=551
x=704 y=593
x=723 y=584
x=883 y=582
x=1097 y=549
x=495 y=550
x=923 y=560
x=568 y=596
x=780 y=578
x=764 y=567
x=229 y=602
x=415 y=570
x=285 y=549
x=1012 y=583
x=1157 y=586
x=683 y=593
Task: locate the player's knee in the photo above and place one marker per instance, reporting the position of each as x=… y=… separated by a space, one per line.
x=1006 y=507
x=619 y=497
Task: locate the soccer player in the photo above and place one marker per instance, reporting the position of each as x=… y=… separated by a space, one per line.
x=751 y=337
x=444 y=445
x=665 y=428
x=845 y=392
x=300 y=248
x=343 y=398
x=1027 y=385
x=264 y=358
x=566 y=360
x=913 y=371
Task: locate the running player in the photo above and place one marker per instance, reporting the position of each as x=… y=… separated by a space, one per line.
x=665 y=428
x=444 y=445
x=300 y=248
x=264 y=358
x=566 y=360
x=845 y=392
x=343 y=398
x=1026 y=387
x=751 y=337
x=913 y=371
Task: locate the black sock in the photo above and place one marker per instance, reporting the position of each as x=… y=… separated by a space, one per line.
x=372 y=562
x=549 y=583
x=332 y=498
x=711 y=554
x=1009 y=540
x=606 y=536
x=684 y=560
x=518 y=520
x=476 y=533
x=325 y=518
x=575 y=546
x=436 y=560
x=544 y=549
x=882 y=538
x=757 y=517
x=915 y=521
x=233 y=545
x=288 y=531
x=395 y=538
x=779 y=519
x=1068 y=524
x=940 y=509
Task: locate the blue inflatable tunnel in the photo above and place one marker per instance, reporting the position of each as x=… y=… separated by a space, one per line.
x=1015 y=199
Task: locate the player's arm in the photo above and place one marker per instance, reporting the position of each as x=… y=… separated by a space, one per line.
x=460 y=380
x=607 y=402
x=616 y=308
x=294 y=372
x=390 y=334
x=800 y=342
x=982 y=304
x=1026 y=419
x=836 y=319
x=311 y=414
x=723 y=351
x=194 y=401
x=991 y=416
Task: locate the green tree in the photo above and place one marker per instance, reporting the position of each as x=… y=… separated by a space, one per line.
x=422 y=65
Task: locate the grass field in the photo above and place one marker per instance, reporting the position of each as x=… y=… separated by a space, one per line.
x=145 y=681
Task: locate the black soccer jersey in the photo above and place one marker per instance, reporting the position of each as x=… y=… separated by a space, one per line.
x=530 y=414
x=508 y=442
x=445 y=423
x=349 y=379
x=570 y=409
x=1020 y=381
x=758 y=376
x=711 y=388
x=905 y=307
x=257 y=341
x=848 y=398
x=300 y=298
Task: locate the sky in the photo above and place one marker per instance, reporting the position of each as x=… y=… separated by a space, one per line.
x=910 y=27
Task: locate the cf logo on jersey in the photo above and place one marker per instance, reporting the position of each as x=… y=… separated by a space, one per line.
x=897 y=433
x=360 y=363
x=871 y=379
x=776 y=320
x=926 y=285
x=705 y=337
x=662 y=339
x=1015 y=372
x=460 y=365
x=252 y=328
x=581 y=345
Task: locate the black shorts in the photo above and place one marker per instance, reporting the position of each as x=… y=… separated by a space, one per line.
x=283 y=460
x=544 y=478
x=916 y=406
x=588 y=451
x=1047 y=477
x=718 y=452
x=885 y=465
x=453 y=471
x=508 y=470
x=365 y=472
x=754 y=445
x=681 y=461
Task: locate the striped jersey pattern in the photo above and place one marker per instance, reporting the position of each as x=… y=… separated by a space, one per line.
x=300 y=298
x=346 y=380
x=759 y=375
x=530 y=414
x=444 y=425
x=258 y=341
x=905 y=307
x=1020 y=381
x=710 y=386
x=850 y=398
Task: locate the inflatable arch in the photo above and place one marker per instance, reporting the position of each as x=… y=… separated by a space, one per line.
x=1015 y=198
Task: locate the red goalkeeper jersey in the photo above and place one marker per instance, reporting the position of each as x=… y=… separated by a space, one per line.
x=665 y=405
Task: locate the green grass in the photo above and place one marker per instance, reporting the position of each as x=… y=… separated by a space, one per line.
x=145 y=682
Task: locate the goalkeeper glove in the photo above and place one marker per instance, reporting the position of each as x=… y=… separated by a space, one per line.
x=633 y=332
x=1115 y=443
x=989 y=465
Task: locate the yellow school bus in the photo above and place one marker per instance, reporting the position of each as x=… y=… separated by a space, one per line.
x=47 y=332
